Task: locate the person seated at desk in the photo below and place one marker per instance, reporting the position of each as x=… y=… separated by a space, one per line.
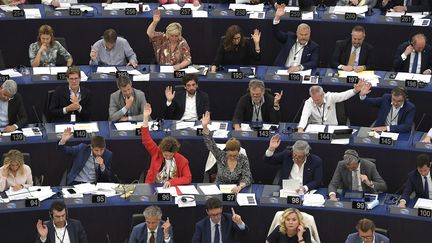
x=170 y=48
x=291 y=229
x=127 y=103
x=218 y=225
x=112 y=50
x=234 y=49
x=154 y=229
x=414 y=56
x=356 y=174
x=396 y=113
x=12 y=112
x=353 y=54
x=428 y=137
x=43 y=52
x=60 y=228
x=419 y=181
x=14 y=173
x=257 y=105
x=71 y=103
x=358 y=3
x=366 y=233
x=298 y=52
x=405 y=5
x=91 y=163
x=195 y=2
x=167 y=166
x=232 y=167
x=298 y=164
x=320 y=108
x=188 y=104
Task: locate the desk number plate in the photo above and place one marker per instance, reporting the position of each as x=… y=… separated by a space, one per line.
x=99 y=199
x=293 y=200
x=164 y=197
x=359 y=205
x=228 y=197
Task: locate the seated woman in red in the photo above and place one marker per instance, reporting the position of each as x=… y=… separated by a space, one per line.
x=167 y=166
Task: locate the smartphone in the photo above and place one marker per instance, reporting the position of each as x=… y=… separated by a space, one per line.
x=3 y=195
x=71 y=191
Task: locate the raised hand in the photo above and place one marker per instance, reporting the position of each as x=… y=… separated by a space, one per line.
x=366 y=89
x=93 y=54
x=42 y=229
x=169 y=93
x=67 y=134
x=147 y=110
x=277 y=98
x=166 y=228
x=274 y=142
x=256 y=36
x=280 y=11
x=156 y=16
x=358 y=86
x=235 y=217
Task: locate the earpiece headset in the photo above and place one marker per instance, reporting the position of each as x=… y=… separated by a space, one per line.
x=352 y=153
x=400 y=91
x=51 y=214
x=185 y=199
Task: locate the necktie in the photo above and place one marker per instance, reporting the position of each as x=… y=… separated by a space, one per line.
x=152 y=237
x=352 y=57
x=216 y=236
x=355 y=181
x=414 y=65
x=426 y=187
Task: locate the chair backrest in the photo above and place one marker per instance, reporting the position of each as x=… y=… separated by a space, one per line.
x=211 y=161
x=60 y=61
x=277 y=176
x=179 y=87
x=2 y=63
x=382 y=231
x=341 y=113
x=309 y=222
x=137 y=218
x=46 y=117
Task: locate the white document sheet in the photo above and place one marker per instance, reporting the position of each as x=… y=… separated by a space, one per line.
x=391 y=135
x=188 y=190
x=41 y=70
x=166 y=69
x=89 y=127
x=315 y=128
x=199 y=14
x=210 y=189
x=246 y=199
x=106 y=70
x=226 y=188
x=11 y=72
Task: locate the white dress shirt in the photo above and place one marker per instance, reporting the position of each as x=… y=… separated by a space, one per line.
x=295 y=55
x=412 y=56
x=190 y=113
x=61 y=235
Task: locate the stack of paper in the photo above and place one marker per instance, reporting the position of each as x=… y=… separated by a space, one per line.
x=247 y=7
x=188 y=190
x=106 y=70
x=412 y=76
x=123 y=5
x=39 y=192
x=171 y=190
x=171 y=6
x=11 y=72
x=313 y=200
x=83 y=8
x=31 y=131
x=423 y=203
x=8 y=8
x=302 y=73
x=315 y=128
x=414 y=15
x=246 y=199
x=350 y=9
x=368 y=76
x=227 y=188
x=184 y=124
x=32 y=13
x=210 y=189
x=125 y=126
x=191 y=6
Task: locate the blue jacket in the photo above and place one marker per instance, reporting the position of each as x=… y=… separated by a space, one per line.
x=230 y=230
x=81 y=153
x=413 y=184
x=312 y=172
x=310 y=54
x=406 y=113
x=355 y=238
x=75 y=230
x=139 y=234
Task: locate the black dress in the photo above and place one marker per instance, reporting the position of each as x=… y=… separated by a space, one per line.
x=242 y=55
x=278 y=237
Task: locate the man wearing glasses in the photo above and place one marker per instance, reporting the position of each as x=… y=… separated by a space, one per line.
x=366 y=233
x=12 y=111
x=218 y=225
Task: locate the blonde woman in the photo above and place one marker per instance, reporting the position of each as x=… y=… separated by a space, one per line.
x=291 y=229
x=170 y=48
x=14 y=173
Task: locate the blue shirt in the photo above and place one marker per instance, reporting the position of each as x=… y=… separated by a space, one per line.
x=120 y=54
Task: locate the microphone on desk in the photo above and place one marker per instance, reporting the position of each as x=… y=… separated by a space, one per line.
x=39 y=122
x=416 y=128
x=121 y=185
x=298 y=111
x=28 y=191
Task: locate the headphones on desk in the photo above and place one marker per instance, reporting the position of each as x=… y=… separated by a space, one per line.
x=185 y=199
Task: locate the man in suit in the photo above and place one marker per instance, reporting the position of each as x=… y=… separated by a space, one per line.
x=91 y=163
x=12 y=112
x=356 y=174
x=71 y=103
x=298 y=51
x=153 y=230
x=419 y=181
x=414 y=56
x=297 y=164
x=395 y=114
x=353 y=54
x=127 y=103
x=405 y=6
x=257 y=105
x=218 y=226
x=189 y=104
x=60 y=228
x=366 y=233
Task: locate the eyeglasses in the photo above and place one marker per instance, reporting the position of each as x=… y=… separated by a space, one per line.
x=214 y=215
x=366 y=237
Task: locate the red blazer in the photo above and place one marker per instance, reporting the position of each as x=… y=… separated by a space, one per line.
x=183 y=171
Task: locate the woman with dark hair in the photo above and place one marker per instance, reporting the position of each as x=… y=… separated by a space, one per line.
x=235 y=49
x=167 y=166
x=43 y=52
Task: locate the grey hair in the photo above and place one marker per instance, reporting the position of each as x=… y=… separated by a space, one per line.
x=152 y=211
x=301 y=145
x=123 y=81
x=10 y=86
x=256 y=83
x=303 y=26
x=316 y=88
x=351 y=156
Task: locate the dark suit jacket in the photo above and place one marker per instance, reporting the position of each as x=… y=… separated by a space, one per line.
x=406 y=113
x=81 y=153
x=230 y=230
x=342 y=177
x=413 y=184
x=177 y=108
x=75 y=230
x=342 y=53
x=416 y=5
x=310 y=54
x=16 y=111
x=355 y=238
x=403 y=66
x=244 y=110
x=61 y=98
x=139 y=234
x=312 y=172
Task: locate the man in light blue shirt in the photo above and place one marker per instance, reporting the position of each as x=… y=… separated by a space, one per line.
x=112 y=50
